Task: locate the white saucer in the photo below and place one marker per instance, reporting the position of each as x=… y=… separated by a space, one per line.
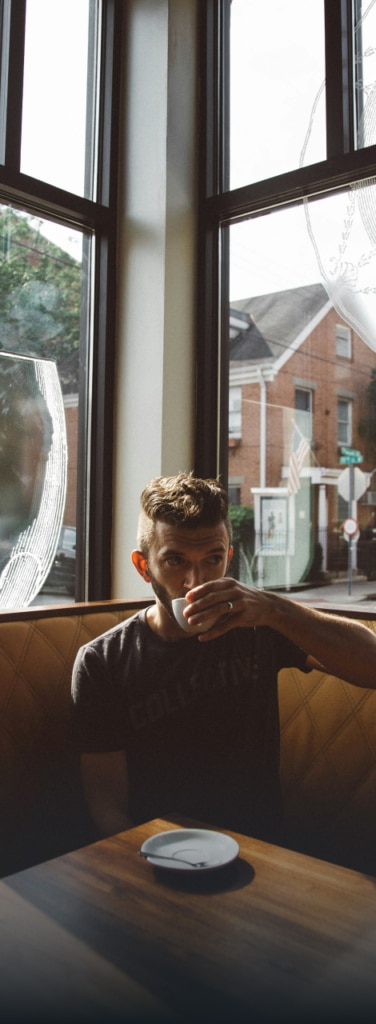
x=190 y=849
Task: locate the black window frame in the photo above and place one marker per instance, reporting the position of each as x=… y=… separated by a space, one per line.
x=98 y=217
x=219 y=206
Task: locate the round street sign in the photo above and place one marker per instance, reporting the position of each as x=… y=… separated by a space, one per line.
x=350 y=527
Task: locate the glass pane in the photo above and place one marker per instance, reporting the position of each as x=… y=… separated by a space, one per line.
x=277 y=94
x=296 y=400
x=59 y=94
x=42 y=290
x=365 y=74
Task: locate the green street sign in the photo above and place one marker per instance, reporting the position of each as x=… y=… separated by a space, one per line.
x=351 y=452
x=350 y=457
x=351 y=460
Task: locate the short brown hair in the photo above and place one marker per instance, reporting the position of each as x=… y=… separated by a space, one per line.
x=182 y=500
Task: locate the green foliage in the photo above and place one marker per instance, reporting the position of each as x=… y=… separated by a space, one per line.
x=367 y=424
x=40 y=292
x=242 y=521
x=371 y=400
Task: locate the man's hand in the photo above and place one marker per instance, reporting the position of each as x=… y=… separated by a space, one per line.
x=235 y=605
x=342 y=646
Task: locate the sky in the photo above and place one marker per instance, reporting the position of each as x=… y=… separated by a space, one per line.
x=269 y=136
x=54 y=104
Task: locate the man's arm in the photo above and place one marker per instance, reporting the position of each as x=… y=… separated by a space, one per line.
x=105 y=785
x=344 y=647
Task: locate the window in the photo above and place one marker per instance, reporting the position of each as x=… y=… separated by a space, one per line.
x=303 y=410
x=60 y=66
x=234 y=494
x=344 y=422
x=235 y=413
x=67 y=115
x=287 y=247
x=303 y=399
x=343 y=341
x=269 y=143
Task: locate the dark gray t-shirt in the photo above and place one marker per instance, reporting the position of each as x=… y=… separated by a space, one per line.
x=199 y=722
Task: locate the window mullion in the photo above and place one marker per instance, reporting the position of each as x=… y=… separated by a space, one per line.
x=104 y=313
x=111 y=36
x=14 y=22
x=339 y=60
x=288 y=188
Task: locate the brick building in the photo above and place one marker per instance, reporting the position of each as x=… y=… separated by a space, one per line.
x=294 y=363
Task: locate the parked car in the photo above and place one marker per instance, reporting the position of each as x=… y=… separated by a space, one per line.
x=61 y=577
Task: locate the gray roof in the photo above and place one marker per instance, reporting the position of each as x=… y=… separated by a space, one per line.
x=264 y=326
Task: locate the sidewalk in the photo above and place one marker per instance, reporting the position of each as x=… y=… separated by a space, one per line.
x=363 y=592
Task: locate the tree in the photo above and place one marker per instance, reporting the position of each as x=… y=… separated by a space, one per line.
x=242 y=522
x=40 y=292
x=367 y=424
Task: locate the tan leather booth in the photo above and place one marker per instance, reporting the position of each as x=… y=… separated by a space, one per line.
x=328 y=746
x=42 y=811
x=328 y=765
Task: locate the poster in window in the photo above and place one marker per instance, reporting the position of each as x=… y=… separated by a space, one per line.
x=274 y=525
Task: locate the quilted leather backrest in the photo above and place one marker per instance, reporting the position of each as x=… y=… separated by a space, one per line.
x=36 y=660
x=38 y=784
x=328 y=766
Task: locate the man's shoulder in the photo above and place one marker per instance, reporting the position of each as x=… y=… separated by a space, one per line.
x=119 y=636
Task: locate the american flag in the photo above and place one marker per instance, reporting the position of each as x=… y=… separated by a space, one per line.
x=300 y=448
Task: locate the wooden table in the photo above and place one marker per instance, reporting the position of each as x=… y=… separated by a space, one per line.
x=100 y=934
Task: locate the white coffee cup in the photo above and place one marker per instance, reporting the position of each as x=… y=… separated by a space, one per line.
x=178 y=606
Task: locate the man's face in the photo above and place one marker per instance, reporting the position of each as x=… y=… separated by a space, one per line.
x=180 y=559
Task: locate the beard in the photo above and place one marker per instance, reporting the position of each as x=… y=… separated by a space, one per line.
x=162 y=595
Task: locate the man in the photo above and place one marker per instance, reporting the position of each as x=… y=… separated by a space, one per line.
x=168 y=722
